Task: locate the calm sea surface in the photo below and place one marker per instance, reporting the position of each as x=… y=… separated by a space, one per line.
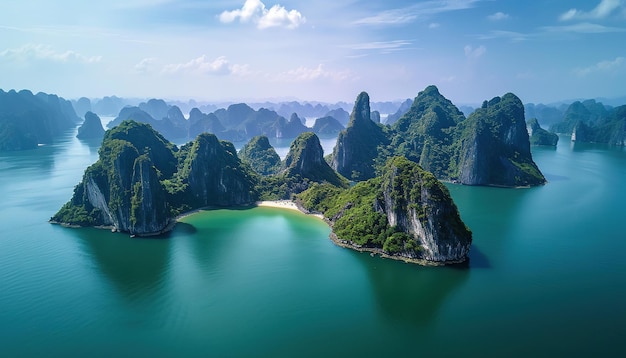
x=547 y=275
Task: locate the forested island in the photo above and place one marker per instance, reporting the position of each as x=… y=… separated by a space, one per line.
x=397 y=207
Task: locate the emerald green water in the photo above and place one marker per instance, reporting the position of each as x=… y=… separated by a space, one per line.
x=547 y=275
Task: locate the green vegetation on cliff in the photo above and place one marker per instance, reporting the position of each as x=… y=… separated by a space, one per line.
x=491 y=147
x=405 y=212
x=261 y=156
x=141 y=181
x=303 y=166
x=540 y=136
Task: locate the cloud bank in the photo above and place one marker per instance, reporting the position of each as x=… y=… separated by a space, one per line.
x=601 y=11
x=254 y=11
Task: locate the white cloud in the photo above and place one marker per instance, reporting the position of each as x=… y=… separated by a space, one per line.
x=381 y=45
x=474 y=53
x=584 y=28
x=498 y=16
x=511 y=35
x=30 y=52
x=145 y=65
x=420 y=10
x=255 y=11
x=304 y=74
x=602 y=66
x=201 y=65
x=433 y=25
x=601 y=11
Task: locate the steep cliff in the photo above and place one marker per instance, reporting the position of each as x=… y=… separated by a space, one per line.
x=426 y=132
x=357 y=146
x=91 y=127
x=495 y=148
x=306 y=160
x=214 y=176
x=123 y=189
x=405 y=213
x=261 y=156
x=141 y=181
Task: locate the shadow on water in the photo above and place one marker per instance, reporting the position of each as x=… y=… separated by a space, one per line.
x=493 y=215
x=409 y=293
x=477 y=259
x=136 y=267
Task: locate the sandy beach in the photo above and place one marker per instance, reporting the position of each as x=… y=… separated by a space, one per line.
x=285 y=204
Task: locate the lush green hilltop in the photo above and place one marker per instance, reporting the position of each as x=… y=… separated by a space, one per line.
x=405 y=212
x=490 y=147
x=141 y=182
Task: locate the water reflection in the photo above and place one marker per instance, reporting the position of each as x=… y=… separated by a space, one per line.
x=493 y=215
x=136 y=267
x=410 y=293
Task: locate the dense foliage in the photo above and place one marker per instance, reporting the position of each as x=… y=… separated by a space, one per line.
x=540 y=136
x=359 y=215
x=261 y=156
x=490 y=147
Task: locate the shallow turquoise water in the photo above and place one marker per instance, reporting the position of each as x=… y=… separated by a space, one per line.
x=547 y=275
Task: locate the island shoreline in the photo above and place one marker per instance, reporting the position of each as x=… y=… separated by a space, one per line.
x=286 y=205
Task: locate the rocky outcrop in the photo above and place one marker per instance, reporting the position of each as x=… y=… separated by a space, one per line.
x=416 y=203
x=289 y=128
x=306 y=160
x=91 y=127
x=261 y=156
x=136 y=185
x=201 y=123
x=375 y=116
x=405 y=214
x=404 y=107
x=123 y=188
x=340 y=115
x=357 y=145
x=540 y=136
x=214 y=175
x=426 y=132
x=495 y=147
x=327 y=126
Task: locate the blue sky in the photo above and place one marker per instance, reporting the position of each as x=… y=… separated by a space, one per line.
x=246 y=50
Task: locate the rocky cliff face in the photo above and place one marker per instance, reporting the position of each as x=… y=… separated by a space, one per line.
x=418 y=204
x=214 y=174
x=261 y=156
x=91 y=127
x=123 y=189
x=405 y=213
x=357 y=145
x=141 y=181
x=540 y=136
x=306 y=160
x=495 y=147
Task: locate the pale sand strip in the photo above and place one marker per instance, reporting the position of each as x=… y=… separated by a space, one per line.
x=285 y=204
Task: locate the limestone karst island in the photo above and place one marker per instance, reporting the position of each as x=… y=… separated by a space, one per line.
x=379 y=189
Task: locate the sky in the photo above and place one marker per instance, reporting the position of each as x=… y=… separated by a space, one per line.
x=330 y=51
